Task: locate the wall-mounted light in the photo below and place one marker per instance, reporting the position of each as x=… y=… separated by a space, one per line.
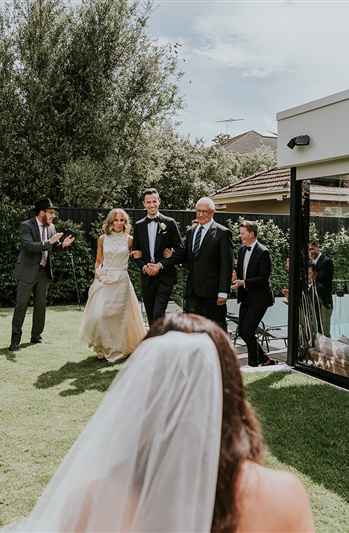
x=300 y=140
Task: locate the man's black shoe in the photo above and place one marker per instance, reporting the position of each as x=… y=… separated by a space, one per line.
x=36 y=341
x=14 y=348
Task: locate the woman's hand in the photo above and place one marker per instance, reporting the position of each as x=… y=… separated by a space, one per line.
x=136 y=254
x=167 y=253
x=98 y=270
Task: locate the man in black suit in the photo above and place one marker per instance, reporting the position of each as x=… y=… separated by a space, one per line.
x=153 y=236
x=33 y=269
x=208 y=254
x=324 y=281
x=252 y=281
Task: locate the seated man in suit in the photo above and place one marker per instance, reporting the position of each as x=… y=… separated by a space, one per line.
x=208 y=254
x=33 y=269
x=324 y=280
x=252 y=281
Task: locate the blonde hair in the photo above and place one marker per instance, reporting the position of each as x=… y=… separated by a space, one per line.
x=107 y=227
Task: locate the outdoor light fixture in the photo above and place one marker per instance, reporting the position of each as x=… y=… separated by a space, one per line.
x=300 y=140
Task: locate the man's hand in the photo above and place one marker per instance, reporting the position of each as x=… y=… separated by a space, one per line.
x=55 y=238
x=153 y=269
x=68 y=241
x=167 y=253
x=238 y=283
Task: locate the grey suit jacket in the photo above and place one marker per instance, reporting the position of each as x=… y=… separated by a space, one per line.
x=28 y=262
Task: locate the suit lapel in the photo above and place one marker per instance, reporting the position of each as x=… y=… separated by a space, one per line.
x=254 y=256
x=146 y=236
x=158 y=233
x=36 y=229
x=209 y=233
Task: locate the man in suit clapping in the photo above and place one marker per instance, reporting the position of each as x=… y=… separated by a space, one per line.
x=33 y=269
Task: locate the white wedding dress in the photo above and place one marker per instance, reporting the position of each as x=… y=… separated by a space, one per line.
x=112 y=323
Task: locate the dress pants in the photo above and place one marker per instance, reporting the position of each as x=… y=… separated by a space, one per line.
x=156 y=293
x=208 y=308
x=249 y=319
x=24 y=290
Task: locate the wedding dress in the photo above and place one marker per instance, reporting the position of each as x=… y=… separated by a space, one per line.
x=112 y=323
x=148 y=459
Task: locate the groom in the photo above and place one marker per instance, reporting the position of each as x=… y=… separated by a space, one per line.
x=153 y=234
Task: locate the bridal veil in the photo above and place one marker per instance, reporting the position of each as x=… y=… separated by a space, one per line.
x=148 y=459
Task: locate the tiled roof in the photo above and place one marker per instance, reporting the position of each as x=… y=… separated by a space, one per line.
x=265 y=181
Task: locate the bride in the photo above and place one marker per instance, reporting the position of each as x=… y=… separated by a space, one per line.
x=174 y=447
x=112 y=323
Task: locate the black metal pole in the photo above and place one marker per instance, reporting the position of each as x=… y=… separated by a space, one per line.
x=294 y=285
x=75 y=279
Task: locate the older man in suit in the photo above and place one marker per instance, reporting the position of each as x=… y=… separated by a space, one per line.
x=208 y=254
x=252 y=281
x=33 y=269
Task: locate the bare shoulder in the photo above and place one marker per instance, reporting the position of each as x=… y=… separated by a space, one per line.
x=101 y=239
x=277 y=496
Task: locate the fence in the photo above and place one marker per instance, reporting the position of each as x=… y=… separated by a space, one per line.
x=86 y=216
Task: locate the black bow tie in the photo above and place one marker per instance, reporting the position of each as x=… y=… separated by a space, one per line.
x=249 y=248
x=148 y=220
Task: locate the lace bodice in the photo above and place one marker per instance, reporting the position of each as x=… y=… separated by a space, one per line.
x=115 y=252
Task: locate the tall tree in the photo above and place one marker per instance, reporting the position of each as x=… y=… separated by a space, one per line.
x=77 y=89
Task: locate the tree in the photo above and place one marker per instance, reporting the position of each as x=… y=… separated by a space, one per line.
x=77 y=89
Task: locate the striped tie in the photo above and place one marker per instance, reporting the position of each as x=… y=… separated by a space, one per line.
x=197 y=241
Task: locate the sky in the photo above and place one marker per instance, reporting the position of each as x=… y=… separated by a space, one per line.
x=251 y=59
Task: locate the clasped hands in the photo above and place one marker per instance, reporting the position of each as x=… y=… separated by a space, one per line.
x=153 y=269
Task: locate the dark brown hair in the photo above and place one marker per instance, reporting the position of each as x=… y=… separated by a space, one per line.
x=250 y=225
x=241 y=437
x=150 y=191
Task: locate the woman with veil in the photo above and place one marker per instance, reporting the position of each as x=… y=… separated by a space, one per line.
x=174 y=447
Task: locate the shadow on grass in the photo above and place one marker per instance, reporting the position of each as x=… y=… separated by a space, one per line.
x=11 y=356
x=89 y=374
x=306 y=427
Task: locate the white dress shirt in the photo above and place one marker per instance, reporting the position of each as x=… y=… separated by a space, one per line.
x=247 y=258
x=152 y=231
x=316 y=260
x=43 y=235
x=205 y=228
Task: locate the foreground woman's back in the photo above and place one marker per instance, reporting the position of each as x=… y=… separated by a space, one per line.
x=272 y=501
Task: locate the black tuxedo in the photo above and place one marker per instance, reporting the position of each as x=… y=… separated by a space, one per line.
x=32 y=279
x=324 y=279
x=210 y=271
x=156 y=290
x=255 y=298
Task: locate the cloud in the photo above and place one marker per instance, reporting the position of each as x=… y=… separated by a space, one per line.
x=253 y=59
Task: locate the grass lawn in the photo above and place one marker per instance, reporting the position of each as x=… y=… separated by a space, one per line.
x=48 y=392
